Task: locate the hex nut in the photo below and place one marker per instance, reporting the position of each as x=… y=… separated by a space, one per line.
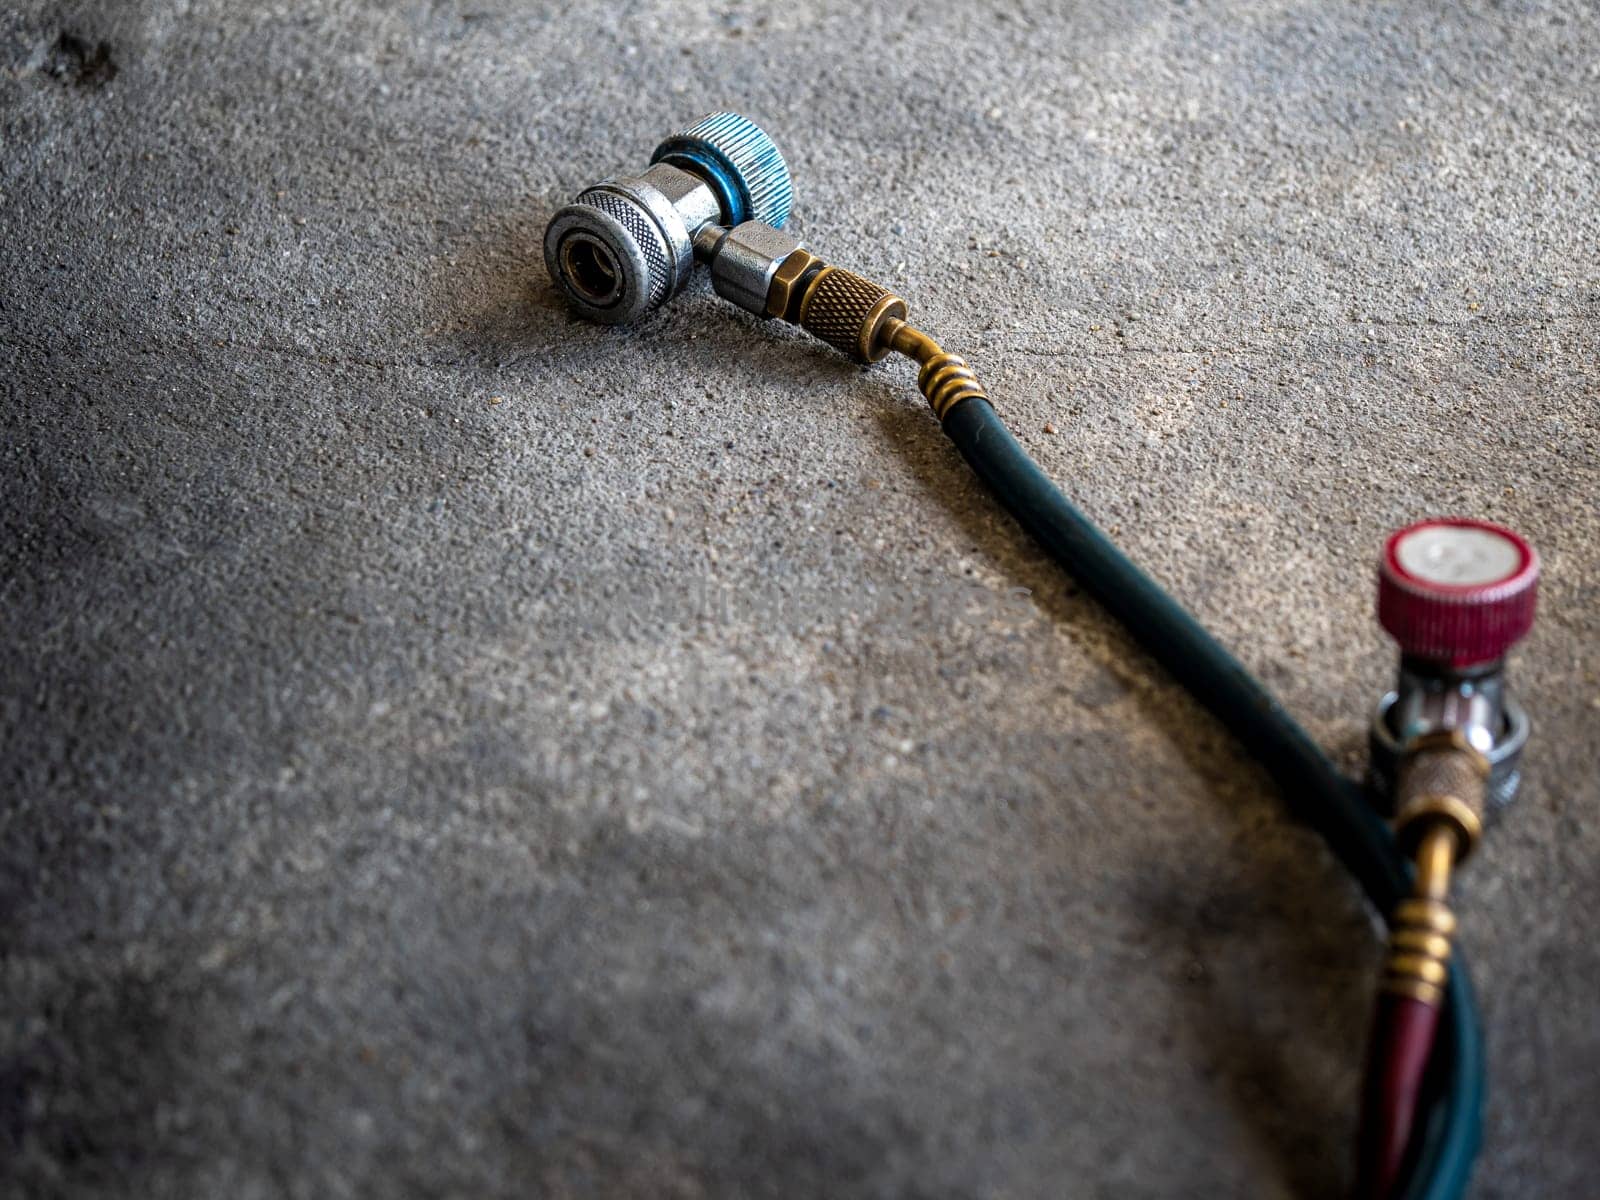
x=782 y=293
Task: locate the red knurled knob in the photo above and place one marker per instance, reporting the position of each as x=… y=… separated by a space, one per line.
x=1457 y=591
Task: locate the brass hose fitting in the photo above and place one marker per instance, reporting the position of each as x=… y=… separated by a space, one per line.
x=1442 y=783
x=946 y=380
x=1440 y=794
x=835 y=305
x=1417 y=964
x=1441 y=788
x=865 y=321
x=848 y=312
x=1456 y=594
x=1440 y=799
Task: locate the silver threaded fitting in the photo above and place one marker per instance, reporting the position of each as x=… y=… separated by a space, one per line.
x=743 y=261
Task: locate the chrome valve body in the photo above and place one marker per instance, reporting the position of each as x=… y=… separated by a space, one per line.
x=623 y=247
x=1427 y=701
x=1457 y=594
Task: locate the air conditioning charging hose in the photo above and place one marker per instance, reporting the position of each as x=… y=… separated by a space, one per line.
x=1312 y=786
x=865 y=322
x=719 y=193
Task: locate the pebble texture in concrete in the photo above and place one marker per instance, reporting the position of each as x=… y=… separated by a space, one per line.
x=450 y=750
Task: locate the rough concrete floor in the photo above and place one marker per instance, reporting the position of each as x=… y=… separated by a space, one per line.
x=454 y=751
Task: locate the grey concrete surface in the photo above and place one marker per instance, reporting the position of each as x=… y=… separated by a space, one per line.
x=454 y=751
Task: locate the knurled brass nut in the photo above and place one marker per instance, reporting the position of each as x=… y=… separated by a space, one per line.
x=781 y=292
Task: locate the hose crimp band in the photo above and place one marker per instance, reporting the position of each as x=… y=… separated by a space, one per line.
x=946 y=380
x=1418 y=962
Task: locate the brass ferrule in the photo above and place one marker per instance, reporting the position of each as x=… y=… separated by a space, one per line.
x=1418 y=963
x=1438 y=820
x=945 y=378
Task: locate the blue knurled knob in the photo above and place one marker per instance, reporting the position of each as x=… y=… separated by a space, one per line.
x=739 y=161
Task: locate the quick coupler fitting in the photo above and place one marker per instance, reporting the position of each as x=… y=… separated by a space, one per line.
x=1456 y=594
x=719 y=193
x=625 y=246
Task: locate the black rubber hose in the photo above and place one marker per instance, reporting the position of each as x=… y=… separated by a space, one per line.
x=1310 y=783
